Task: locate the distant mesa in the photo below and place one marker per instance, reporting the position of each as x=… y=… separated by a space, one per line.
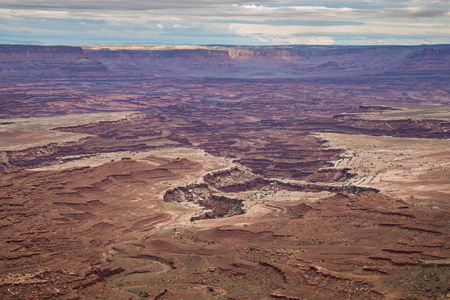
x=224 y=61
x=46 y=60
x=428 y=60
x=430 y=55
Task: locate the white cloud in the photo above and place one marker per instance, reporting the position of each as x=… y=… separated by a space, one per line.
x=279 y=34
x=381 y=28
x=229 y=21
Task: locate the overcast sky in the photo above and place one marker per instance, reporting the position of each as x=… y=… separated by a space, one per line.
x=344 y=22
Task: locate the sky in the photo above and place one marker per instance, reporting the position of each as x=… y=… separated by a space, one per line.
x=230 y=22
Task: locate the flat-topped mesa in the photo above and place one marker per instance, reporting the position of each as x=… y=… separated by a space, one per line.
x=26 y=60
x=294 y=60
x=26 y=52
x=428 y=60
x=224 y=61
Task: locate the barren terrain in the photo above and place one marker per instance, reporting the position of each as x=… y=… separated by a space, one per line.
x=221 y=172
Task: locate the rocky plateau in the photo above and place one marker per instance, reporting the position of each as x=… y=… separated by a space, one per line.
x=224 y=172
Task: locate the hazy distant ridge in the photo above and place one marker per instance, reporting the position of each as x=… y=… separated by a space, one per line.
x=225 y=61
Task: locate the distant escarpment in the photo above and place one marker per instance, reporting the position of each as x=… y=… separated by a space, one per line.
x=23 y=60
x=426 y=61
x=273 y=61
x=225 y=61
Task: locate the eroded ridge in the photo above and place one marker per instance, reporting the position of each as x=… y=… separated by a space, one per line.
x=224 y=172
x=214 y=190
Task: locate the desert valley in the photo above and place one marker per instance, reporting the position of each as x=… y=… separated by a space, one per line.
x=225 y=172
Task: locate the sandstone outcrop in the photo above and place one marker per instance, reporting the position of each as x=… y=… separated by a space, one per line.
x=46 y=61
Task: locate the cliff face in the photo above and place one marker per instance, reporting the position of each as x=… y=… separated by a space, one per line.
x=278 y=60
x=145 y=61
x=46 y=61
x=226 y=61
x=429 y=60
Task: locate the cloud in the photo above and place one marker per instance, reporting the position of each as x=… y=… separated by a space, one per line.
x=278 y=34
x=310 y=34
x=227 y=21
x=416 y=12
x=113 y=4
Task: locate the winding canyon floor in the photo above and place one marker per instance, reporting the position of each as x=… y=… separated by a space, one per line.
x=225 y=189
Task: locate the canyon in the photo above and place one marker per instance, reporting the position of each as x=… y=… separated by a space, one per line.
x=224 y=172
